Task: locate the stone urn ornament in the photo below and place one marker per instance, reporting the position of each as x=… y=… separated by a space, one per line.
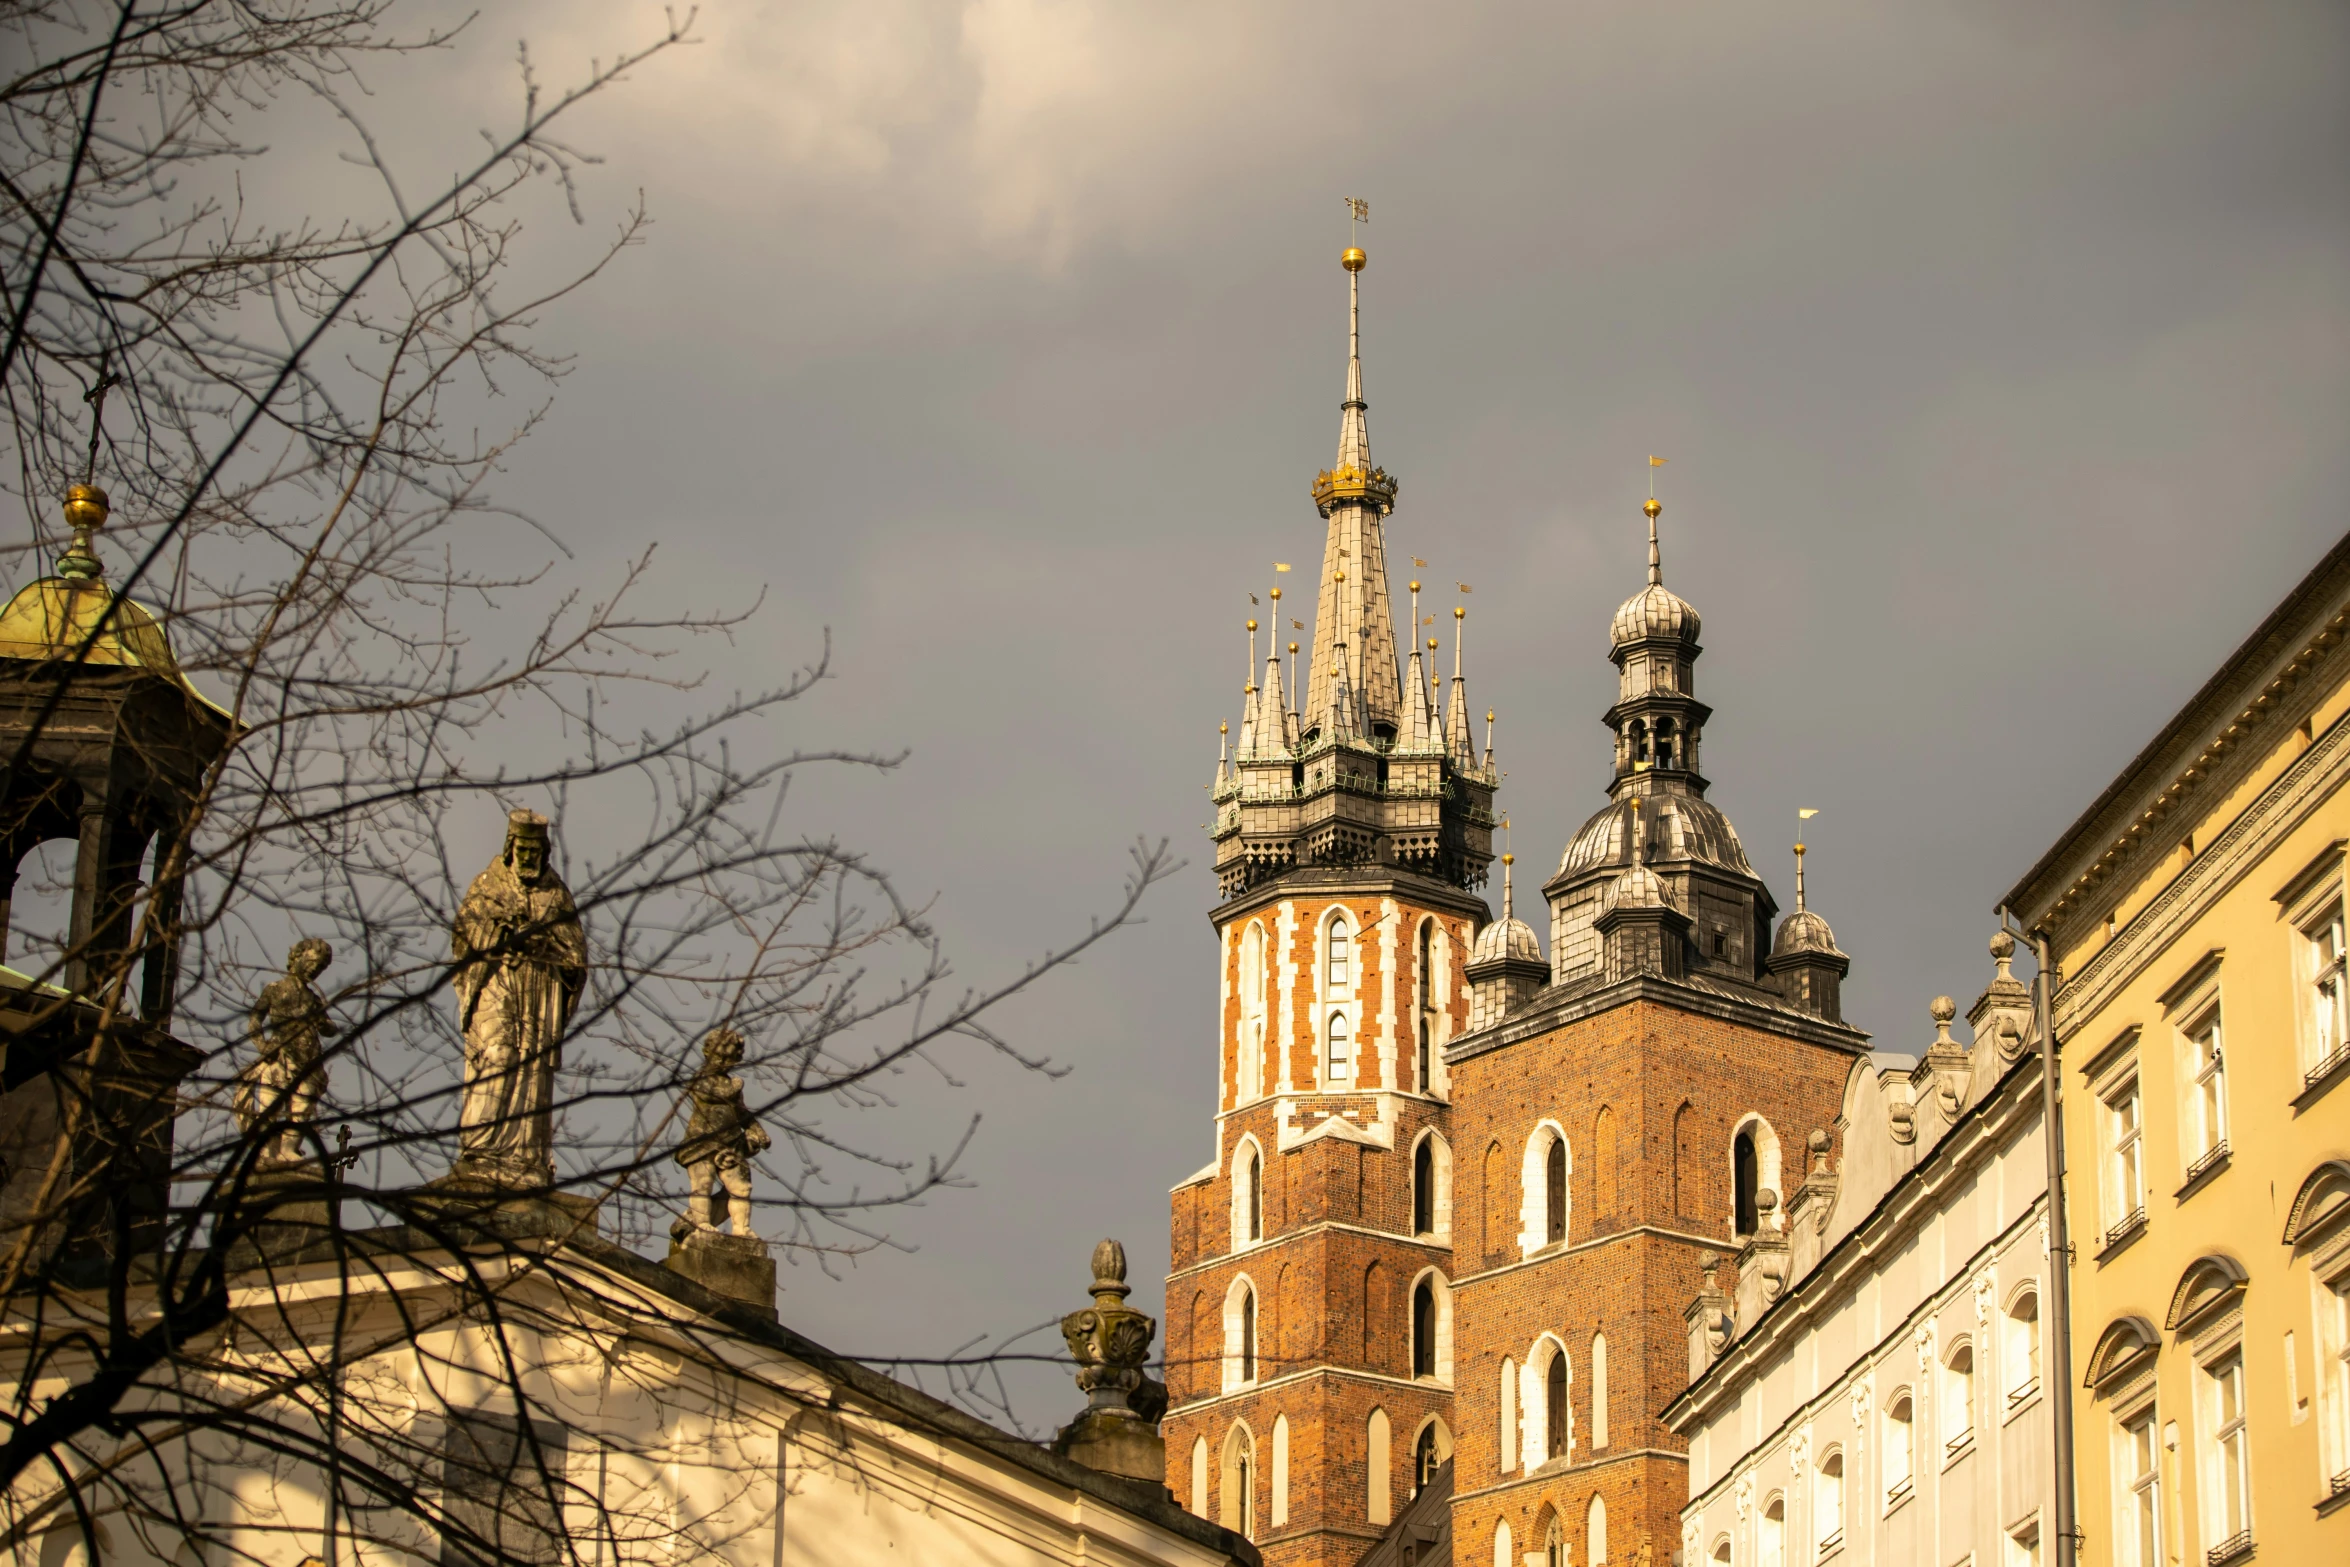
x=1118 y=1431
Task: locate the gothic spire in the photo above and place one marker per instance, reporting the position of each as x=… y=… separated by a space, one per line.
x=1420 y=730
x=1354 y=625
x=1456 y=715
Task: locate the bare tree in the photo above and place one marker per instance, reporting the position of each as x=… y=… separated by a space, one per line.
x=287 y=518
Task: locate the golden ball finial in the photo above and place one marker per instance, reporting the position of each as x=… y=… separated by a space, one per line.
x=1293 y=647
x=1431 y=644
x=1509 y=859
x=1653 y=507
x=85 y=506
x=1223 y=729
x=1460 y=612
x=1489 y=715
x=1252 y=625
x=1341 y=573
x=1276 y=595
x=1353 y=259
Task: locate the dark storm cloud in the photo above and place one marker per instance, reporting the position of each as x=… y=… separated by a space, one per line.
x=2001 y=354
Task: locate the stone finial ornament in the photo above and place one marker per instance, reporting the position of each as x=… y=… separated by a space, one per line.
x=277 y=1092
x=1118 y=1430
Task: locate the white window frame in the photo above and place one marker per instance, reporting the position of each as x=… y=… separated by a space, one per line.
x=1827 y=1508
x=1338 y=955
x=2203 y=1054
x=2137 y=1491
x=2019 y=1350
x=1956 y=1396
x=1901 y=1447
x=1338 y=1067
x=2226 y=1456
x=2121 y=1116
x=2321 y=945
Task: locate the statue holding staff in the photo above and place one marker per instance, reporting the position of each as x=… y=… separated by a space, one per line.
x=518 y=960
x=721 y=1140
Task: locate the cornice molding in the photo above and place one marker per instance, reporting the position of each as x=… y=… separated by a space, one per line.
x=1899 y=1214
x=1553 y=1011
x=2245 y=843
x=1306 y=1232
x=1632 y=1232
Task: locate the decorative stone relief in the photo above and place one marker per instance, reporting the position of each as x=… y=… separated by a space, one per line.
x=1744 y=1497
x=1983 y=1303
x=1799 y=1452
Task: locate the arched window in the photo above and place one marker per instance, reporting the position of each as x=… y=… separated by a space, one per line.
x=1280 y=1470
x=1424 y=1329
x=1603 y=1162
x=2020 y=1353
x=1427 y=973
x=1554 y=1193
x=1664 y=742
x=1554 y=1407
x=1424 y=1187
x=1340 y=1054
x=1958 y=1398
x=1747 y=1176
x=1497 y=1206
x=1595 y=1533
x=1598 y=1390
x=1721 y=1555
x=1507 y=1447
x=1377 y=1462
x=1687 y=1163
x=1431 y=1451
x=1554 y=1544
x=1772 y=1536
x=1199 y=1477
x=1341 y=950
x=1240 y=1334
x=1900 y=1446
x=1639 y=742
x=1252 y=1015
x=1501 y=1545
x=1828 y=1501
x=1248 y=1194
x=1239 y=1510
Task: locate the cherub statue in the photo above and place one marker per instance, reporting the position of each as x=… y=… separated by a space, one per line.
x=278 y=1090
x=721 y=1139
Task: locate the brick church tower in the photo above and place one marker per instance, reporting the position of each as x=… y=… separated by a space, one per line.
x=1309 y=1336
x=1614 y=1121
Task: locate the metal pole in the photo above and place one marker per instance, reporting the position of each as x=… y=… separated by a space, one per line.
x=2060 y=1261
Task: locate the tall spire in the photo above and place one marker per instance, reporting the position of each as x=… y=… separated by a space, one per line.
x=1420 y=728
x=1352 y=616
x=1456 y=715
x=1656 y=565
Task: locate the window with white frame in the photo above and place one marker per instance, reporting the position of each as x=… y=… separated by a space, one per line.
x=1338 y=969
x=2324 y=1034
x=1772 y=1536
x=2206 y=1120
x=2023 y=1546
x=1828 y=1501
x=2138 y=1494
x=1508 y=1402
x=1341 y=1056
x=2019 y=1351
x=2333 y=1376
x=2227 y=1457
x=1958 y=1399
x=2125 y=1154
x=1900 y=1445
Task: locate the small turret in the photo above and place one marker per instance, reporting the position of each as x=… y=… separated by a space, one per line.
x=1506 y=966
x=1641 y=929
x=1804 y=960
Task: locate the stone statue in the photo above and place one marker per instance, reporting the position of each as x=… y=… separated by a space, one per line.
x=277 y=1092
x=1118 y=1431
x=721 y=1140
x=518 y=959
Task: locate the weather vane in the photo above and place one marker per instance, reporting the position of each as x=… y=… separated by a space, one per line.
x=1357 y=211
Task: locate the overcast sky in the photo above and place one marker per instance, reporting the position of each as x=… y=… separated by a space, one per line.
x=2000 y=352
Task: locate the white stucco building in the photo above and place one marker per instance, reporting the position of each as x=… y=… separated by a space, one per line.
x=1869 y=1390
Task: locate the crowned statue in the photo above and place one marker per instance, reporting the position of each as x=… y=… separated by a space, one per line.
x=518 y=959
x=277 y=1092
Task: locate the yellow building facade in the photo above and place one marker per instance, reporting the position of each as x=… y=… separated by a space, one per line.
x=2195 y=913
